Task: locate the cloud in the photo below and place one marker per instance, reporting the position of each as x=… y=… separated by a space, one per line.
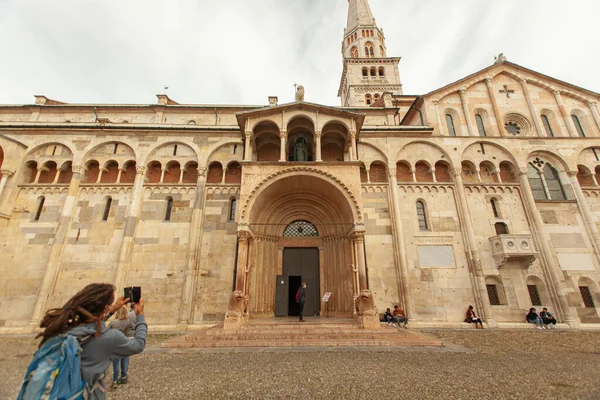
x=240 y=51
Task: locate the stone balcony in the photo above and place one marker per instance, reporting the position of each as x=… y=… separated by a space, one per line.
x=513 y=248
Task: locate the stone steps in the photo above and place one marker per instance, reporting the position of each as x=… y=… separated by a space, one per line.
x=302 y=335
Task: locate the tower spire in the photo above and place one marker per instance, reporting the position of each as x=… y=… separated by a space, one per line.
x=359 y=14
x=368 y=72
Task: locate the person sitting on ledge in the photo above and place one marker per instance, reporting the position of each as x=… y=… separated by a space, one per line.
x=400 y=317
x=389 y=318
x=548 y=319
x=472 y=318
x=533 y=318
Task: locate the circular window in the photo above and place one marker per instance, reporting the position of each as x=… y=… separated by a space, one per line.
x=513 y=128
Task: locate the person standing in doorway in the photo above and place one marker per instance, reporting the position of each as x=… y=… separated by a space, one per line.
x=302 y=300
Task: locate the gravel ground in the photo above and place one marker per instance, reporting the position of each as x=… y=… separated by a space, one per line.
x=501 y=365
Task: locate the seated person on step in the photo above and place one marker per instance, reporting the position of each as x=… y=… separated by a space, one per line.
x=472 y=318
x=389 y=318
x=400 y=317
x=548 y=319
x=532 y=318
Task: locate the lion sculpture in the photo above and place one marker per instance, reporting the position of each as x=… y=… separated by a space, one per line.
x=237 y=310
x=365 y=305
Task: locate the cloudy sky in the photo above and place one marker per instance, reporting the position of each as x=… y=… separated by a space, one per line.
x=242 y=51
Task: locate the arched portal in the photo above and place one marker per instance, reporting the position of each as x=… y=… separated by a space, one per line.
x=302 y=228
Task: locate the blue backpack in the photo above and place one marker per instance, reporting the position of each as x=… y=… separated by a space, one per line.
x=55 y=371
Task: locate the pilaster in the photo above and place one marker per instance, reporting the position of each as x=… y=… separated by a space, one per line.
x=494 y=101
x=534 y=115
x=567 y=118
x=465 y=107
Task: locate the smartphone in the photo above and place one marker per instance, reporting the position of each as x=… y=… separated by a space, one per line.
x=136 y=293
x=133 y=293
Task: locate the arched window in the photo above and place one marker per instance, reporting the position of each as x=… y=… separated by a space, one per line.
x=169 y=208
x=107 y=208
x=545 y=184
x=450 y=124
x=376 y=97
x=40 y=207
x=586 y=295
x=578 y=125
x=365 y=72
x=555 y=189
x=480 y=126
x=368 y=99
x=494 y=208
x=232 y=209
x=373 y=72
x=354 y=52
x=423 y=226
x=547 y=126
x=381 y=71
x=300 y=229
x=369 y=50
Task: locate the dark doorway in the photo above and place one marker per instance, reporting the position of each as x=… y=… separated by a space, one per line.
x=293 y=308
x=302 y=265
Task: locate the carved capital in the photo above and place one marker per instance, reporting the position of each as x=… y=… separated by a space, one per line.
x=457 y=171
x=243 y=236
x=592 y=104
x=318 y=134
x=462 y=91
x=556 y=93
x=283 y=134
x=572 y=173
x=488 y=81
x=77 y=169
x=140 y=170
x=248 y=134
x=201 y=171
x=7 y=173
x=353 y=135
x=435 y=102
x=523 y=81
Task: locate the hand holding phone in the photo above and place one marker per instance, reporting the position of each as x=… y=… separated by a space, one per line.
x=133 y=293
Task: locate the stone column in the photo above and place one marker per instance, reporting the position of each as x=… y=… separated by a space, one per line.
x=192 y=271
x=318 y=138
x=563 y=110
x=552 y=268
x=243 y=247
x=53 y=267
x=129 y=230
x=37 y=175
x=584 y=208
x=119 y=175
x=353 y=149
x=494 y=101
x=5 y=175
x=479 y=279
x=248 y=146
x=594 y=109
x=359 y=243
x=405 y=295
x=283 y=146
x=437 y=114
x=465 y=106
x=534 y=114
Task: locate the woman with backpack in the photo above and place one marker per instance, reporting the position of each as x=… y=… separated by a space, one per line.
x=125 y=323
x=77 y=347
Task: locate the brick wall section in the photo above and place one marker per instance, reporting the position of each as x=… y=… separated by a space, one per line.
x=331 y=152
x=442 y=172
x=190 y=175
x=110 y=173
x=128 y=175
x=377 y=173
x=268 y=152
x=154 y=172
x=49 y=175
x=65 y=176
x=403 y=173
x=173 y=173
x=91 y=174
x=506 y=173
x=215 y=173
x=422 y=172
x=234 y=173
x=584 y=178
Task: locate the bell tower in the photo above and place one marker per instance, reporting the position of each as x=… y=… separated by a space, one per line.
x=367 y=71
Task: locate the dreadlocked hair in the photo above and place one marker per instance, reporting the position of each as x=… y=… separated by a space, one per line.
x=86 y=306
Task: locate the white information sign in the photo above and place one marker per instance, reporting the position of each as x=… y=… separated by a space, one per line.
x=326 y=297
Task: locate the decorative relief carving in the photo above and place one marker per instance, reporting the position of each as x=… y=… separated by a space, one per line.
x=426 y=188
x=369 y=188
x=258 y=188
x=105 y=189
x=7 y=173
x=45 y=189
x=494 y=189
x=170 y=189
x=223 y=189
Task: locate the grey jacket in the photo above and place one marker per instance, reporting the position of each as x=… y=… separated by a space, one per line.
x=111 y=344
x=127 y=326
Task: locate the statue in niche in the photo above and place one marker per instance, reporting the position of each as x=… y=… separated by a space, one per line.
x=300 y=150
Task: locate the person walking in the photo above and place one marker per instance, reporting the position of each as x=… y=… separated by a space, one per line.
x=125 y=323
x=302 y=300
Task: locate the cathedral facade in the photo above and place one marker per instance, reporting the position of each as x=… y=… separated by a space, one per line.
x=484 y=192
